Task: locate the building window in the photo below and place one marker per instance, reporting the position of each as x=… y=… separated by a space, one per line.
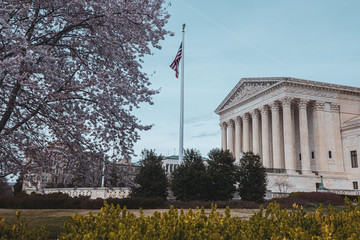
x=354 y=161
x=44 y=179
x=167 y=167
x=330 y=154
x=312 y=155
x=300 y=156
x=355 y=185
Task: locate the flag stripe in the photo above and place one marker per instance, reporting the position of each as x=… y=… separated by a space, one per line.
x=175 y=64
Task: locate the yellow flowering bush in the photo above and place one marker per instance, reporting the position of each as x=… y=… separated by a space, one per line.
x=273 y=222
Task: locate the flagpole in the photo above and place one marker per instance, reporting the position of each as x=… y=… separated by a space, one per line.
x=181 y=138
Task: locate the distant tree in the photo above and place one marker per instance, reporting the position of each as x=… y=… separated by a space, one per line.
x=114 y=177
x=71 y=72
x=151 y=180
x=222 y=175
x=18 y=184
x=119 y=175
x=5 y=189
x=252 y=178
x=87 y=169
x=190 y=180
x=283 y=184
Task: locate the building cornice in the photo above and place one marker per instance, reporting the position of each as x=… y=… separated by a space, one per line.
x=284 y=82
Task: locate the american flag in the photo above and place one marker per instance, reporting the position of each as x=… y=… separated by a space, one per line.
x=175 y=64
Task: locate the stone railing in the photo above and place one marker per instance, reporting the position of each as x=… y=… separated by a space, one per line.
x=341 y=191
x=93 y=193
x=275 y=195
x=275 y=170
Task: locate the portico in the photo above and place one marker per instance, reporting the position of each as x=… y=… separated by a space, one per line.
x=256 y=129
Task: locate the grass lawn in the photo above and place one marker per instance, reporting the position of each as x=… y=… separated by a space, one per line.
x=53 y=220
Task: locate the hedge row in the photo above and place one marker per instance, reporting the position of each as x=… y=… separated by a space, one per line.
x=64 y=201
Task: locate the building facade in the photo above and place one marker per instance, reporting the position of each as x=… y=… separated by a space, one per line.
x=170 y=163
x=52 y=169
x=301 y=129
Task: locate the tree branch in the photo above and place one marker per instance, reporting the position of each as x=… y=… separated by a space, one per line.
x=10 y=106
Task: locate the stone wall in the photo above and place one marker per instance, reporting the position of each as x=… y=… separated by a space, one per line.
x=93 y=193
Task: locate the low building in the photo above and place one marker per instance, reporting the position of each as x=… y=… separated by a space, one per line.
x=170 y=163
x=52 y=170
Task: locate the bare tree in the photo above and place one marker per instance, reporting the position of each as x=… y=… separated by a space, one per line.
x=283 y=184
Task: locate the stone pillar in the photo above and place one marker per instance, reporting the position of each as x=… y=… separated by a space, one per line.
x=335 y=111
x=304 y=137
x=289 y=151
x=276 y=137
x=237 y=137
x=265 y=137
x=246 y=129
x=319 y=137
x=256 y=132
x=231 y=135
x=223 y=126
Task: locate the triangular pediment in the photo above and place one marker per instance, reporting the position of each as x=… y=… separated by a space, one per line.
x=250 y=88
x=245 y=89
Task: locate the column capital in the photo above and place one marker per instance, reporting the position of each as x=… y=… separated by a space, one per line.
x=238 y=120
x=223 y=125
x=255 y=113
x=334 y=106
x=230 y=123
x=303 y=103
x=264 y=109
x=246 y=117
x=275 y=106
x=318 y=105
x=286 y=101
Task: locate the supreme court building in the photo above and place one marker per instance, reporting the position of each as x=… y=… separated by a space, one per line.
x=301 y=129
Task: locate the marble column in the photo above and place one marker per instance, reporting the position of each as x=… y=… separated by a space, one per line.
x=289 y=150
x=265 y=137
x=231 y=135
x=246 y=129
x=276 y=137
x=304 y=137
x=237 y=137
x=256 y=132
x=223 y=126
x=319 y=137
x=335 y=110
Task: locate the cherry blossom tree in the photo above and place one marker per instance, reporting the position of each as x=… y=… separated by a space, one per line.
x=70 y=73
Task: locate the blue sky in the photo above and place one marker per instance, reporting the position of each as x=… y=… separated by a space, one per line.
x=229 y=40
